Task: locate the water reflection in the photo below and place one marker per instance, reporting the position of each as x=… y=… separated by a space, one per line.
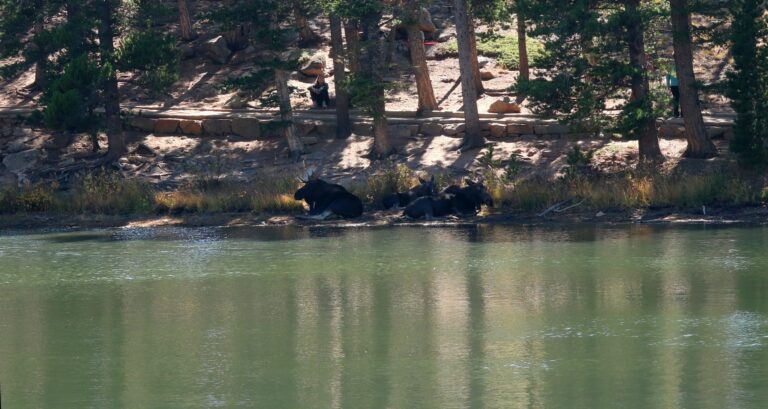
x=484 y=317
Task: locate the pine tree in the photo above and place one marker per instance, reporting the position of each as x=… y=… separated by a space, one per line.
x=343 y=125
x=699 y=145
x=472 y=137
x=748 y=82
x=595 y=51
x=424 y=88
x=185 y=22
x=265 y=18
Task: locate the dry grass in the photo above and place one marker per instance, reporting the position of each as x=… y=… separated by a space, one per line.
x=106 y=193
x=632 y=191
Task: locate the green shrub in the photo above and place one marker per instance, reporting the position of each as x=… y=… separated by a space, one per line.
x=73 y=96
x=153 y=56
x=106 y=192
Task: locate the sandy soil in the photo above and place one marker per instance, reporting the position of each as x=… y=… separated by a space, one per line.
x=169 y=160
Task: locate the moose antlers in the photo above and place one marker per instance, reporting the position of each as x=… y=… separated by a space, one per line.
x=310 y=173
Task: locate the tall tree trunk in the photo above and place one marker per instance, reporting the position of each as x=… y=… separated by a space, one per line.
x=522 y=47
x=472 y=136
x=424 y=88
x=648 y=139
x=306 y=35
x=522 y=50
x=295 y=146
x=41 y=55
x=699 y=145
x=352 y=34
x=343 y=127
x=372 y=72
x=185 y=23
x=473 y=49
x=111 y=93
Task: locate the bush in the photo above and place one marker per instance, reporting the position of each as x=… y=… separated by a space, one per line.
x=39 y=198
x=152 y=56
x=73 y=96
x=105 y=192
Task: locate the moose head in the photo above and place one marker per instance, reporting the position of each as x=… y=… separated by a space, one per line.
x=425 y=187
x=478 y=193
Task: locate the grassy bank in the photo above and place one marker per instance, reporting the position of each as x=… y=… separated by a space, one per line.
x=105 y=193
x=503 y=48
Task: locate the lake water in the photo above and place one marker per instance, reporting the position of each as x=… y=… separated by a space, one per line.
x=485 y=317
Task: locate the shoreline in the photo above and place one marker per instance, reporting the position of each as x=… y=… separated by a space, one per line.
x=757 y=216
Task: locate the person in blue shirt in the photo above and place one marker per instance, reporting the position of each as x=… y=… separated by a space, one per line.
x=674 y=87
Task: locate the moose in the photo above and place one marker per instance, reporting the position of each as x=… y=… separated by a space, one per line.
x=327 y=199
x=425 y=188
x=463 y=201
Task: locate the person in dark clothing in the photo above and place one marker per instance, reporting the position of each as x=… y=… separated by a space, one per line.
x=319 y=93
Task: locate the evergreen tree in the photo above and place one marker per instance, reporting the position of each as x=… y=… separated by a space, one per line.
x=472 y=137
x=185 y=22
x=748 y=82
x=424 y=88
x=268 y=31
x=595 y=51
x=699 y=145
x=343 y=123
x=366 y=56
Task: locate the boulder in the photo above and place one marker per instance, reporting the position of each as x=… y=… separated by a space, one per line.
x=141 y=123
x=15 y=147
x=235 y=102
x=399 y=131
x=486 y=75
x=431 y=129
x=246 y=127
x=304 y=128
x=314 y=66
x=186 y=51
x=445 y=36
x=216 y=50
x=166 y=126
x=362 y=129
x=498 y=130
x=21 y=161
x=217 y=126
x=483 y=61
x=454 y=129
x=191 y=127
x=671 y=131
x=425 y=21
x=551 y=129
x=519 y=129
x=504 y=107
x=309 y=140
x=326 y=130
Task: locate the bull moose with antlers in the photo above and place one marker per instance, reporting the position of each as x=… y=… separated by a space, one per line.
x=327 y=199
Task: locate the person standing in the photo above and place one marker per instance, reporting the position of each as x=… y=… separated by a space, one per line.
x=674 y=87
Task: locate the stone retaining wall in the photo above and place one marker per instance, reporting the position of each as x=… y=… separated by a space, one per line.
x=255 y=128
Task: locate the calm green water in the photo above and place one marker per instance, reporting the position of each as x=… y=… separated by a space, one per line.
x=488 y=317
